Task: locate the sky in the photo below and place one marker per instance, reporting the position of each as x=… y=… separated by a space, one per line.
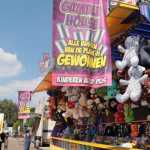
x=25 y=34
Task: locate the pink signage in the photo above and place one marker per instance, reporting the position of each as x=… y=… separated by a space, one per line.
x=24 y=98
x=81 y=45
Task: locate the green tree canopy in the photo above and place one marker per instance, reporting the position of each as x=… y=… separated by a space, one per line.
x=9 y=108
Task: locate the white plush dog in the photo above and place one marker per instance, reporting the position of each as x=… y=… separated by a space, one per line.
x=134 y=89
x=130 y=57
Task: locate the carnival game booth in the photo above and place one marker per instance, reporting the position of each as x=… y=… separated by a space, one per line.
x=112 y=117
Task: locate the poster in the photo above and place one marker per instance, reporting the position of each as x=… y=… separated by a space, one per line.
x=81 y=45
x=1 y=122
x=24 y=98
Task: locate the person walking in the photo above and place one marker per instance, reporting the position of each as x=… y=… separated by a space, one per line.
x=27 y=140
x=6 y=142
x=2 y=139
x=0 y=143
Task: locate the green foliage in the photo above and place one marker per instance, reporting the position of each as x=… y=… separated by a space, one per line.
x=29 y=123
x=32 y=110
x=17 y=124
x=9 y=108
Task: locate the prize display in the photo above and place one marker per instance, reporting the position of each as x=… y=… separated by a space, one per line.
x=110 y=114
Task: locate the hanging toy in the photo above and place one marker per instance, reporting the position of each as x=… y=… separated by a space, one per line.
x=134 y=85
x=134 y=130
x=112 y=90
x=130 y=57
x=119 y=115
x=128 y=113
x=51 y=106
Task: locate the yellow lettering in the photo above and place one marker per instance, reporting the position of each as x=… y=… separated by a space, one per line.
x=69 y=49
x=73 y=43
x=83 y=60
x=61 y=59
x=79 y=50
x=68 y=60
x=103 y=61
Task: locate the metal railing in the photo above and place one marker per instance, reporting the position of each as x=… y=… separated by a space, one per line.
x=66 y=144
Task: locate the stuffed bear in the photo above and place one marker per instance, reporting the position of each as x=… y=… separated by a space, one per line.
x=82 y=100
x=134 y=87
x=130 y=57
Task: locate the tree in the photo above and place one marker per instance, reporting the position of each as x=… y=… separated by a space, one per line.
x=17 y=124
x=9 y=108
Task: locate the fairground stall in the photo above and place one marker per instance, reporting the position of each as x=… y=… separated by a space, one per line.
x=99 y=93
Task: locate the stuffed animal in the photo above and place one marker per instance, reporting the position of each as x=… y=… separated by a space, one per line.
x=89 y=104
x=119 y=115
x=52 y=106
x=112 y=90
x=128 y=113
x=134 y=87
x=97 y=102
x=113 y=105
x=83 y=112
x=134 y=130
x=62 y=105
x=82 y=100
x=130 y=57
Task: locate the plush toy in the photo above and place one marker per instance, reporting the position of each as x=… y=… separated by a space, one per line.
x=62 y=105
x=119 y=115
x=75 y=91
x=89 y=104
x=52 y=106
x=134 y=87
x=83 y=112
x=113 y=105
x=68 y=113
x=134 y=130
x=95 y=102
x=92 y=91
x=75 y=112
x=71 y=104
x=82 y=100
x=128 y=113
x=137 y=71
x=130 y=57
x=112 y=90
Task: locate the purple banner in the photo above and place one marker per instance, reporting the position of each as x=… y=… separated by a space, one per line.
x=24 y=98
x=81 y=45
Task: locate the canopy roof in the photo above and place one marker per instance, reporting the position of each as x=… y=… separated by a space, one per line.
x=45 y=84
x=117 y=22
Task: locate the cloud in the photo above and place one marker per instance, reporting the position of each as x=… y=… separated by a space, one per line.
x=10 y=90
x=9 y=64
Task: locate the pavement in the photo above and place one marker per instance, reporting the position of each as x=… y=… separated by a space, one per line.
x=17 y=144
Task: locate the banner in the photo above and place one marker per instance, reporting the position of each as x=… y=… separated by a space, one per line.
x=1 y=122
x=45 y=63
x=24 y=98
x=81 y=45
